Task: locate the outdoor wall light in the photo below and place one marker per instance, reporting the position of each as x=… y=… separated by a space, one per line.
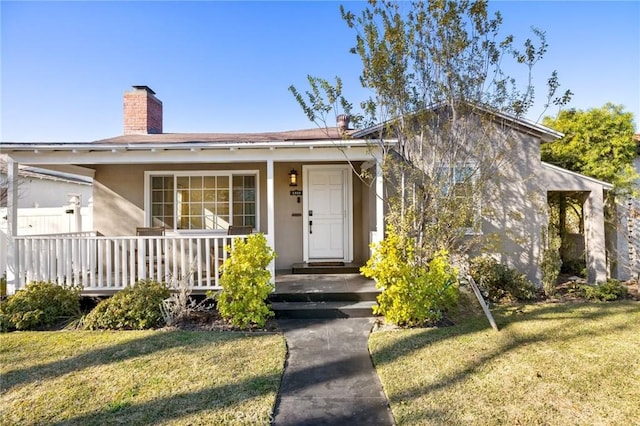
x=293 y=178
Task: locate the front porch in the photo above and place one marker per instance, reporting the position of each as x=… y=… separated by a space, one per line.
x=126 y=198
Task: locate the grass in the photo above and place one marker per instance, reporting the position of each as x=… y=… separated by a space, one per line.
x=552 y=364
x=139 y=377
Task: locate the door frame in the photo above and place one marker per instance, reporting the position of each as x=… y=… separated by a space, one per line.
x=347 y=247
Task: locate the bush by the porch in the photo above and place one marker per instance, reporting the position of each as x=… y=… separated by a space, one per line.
x=137 y=307
x=412 y=294
x=39 y=304
x=605 y=292
x=246 y=282
x=499 y=281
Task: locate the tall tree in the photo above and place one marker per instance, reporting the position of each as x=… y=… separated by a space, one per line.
x=598 y=142
x=435 y=71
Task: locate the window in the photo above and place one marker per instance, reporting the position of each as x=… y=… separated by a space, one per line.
x=244 y=201
x=187 y=201
x=162 y=201
x=457 y=183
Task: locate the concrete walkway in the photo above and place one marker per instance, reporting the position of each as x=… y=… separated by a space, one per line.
x=329 y=378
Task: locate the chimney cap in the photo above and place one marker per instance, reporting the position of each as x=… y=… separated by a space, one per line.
x=145 y=88
x=343 y=121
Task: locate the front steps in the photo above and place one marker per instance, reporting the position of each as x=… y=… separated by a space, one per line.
x=346 y=295
x=325 y=268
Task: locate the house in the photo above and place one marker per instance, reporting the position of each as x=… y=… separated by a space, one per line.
x=300 y=188
x=48 y=202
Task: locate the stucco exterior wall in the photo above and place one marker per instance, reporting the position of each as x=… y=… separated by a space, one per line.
x=119 y=193
x=289 y=236
x=288 y=220
x=119 y=204
x=514 y=205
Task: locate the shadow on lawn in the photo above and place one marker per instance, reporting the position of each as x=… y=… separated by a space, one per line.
x=505 y=317
x=181 y=405
x=227 y=396
x=112 y=354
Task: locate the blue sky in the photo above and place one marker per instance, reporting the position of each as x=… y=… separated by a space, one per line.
x=225 y=67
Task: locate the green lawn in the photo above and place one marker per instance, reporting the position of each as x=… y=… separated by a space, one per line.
x=553 y=364
x=139 y=377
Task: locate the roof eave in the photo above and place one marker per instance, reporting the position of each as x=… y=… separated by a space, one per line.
x=605 y=185
x=181 y=145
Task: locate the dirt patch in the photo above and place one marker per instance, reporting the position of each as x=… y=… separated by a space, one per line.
x=212 y=321
x=568 y=290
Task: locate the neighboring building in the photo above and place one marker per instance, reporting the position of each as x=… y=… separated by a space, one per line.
x=197 y=185
x=629 y=235
x=48 y=202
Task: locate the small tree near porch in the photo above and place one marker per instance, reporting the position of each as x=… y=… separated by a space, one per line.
x=246 y=282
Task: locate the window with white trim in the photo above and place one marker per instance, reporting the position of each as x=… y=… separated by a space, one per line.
x=458 y=183
x=204 y=201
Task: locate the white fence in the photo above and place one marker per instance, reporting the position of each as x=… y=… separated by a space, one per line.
x=49 y=220
x=102 y=264
x=43 y=220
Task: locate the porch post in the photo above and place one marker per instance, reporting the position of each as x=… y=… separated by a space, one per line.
x=595 y=237
x=379 y=202
x=271 y=219
x=13 y=282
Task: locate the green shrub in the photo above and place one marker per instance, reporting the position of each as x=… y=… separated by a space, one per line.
x=411 y=294
x=608 y=291
x=246 y=282
x=499 y=281
x=39 y=304
x=136 y=307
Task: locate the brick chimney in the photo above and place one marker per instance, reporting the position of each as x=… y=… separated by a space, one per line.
x=142 y=112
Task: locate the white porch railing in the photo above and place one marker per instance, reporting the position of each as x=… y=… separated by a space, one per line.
x=104 y=264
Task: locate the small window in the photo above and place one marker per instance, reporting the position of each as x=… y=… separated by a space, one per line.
x=162 y=201
x=457 y=183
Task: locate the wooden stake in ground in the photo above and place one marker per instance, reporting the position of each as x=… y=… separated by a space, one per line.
x=485 y=308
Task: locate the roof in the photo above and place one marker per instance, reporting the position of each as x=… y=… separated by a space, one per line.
x=330 y=133
x=544 y=133
x=605 y=185
x=45 y=174
x=319 y=137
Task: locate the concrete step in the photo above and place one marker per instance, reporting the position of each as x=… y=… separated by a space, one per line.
x=314 y=310
x=364 y=295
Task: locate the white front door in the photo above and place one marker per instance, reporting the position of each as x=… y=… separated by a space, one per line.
x=327 y=209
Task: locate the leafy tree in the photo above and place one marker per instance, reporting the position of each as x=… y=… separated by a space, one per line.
x=598 y=142
x=435 y=71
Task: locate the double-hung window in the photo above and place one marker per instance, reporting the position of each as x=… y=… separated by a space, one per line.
x=457 y=183
x=203 y=200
